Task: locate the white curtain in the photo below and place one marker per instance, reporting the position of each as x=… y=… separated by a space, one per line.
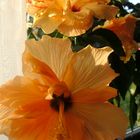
x=12 y=38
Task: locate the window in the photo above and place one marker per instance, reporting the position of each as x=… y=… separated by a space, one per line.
x=12 y=36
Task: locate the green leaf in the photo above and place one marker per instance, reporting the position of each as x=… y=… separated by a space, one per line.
x=122 y=10
x=76 y=48
x=125 y=78
x=99 y=38
x=30 y=34
x=56 y=34
x=132 y=111
x=137 y=78
x=35 y=33
x=137 y=32
x=137 y=69
x=78 y=43
x=104 y=37
x=40 y=33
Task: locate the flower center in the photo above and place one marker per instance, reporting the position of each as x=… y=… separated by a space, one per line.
x=75 y=9
x=60 y=94
x=55 y=102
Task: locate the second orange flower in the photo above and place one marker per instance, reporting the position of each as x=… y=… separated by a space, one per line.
x=69 y=17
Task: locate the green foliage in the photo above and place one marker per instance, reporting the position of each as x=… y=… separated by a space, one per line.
x=126 y=7
x=137 y=32
x=103 y=37
x=133 y=111
x=35 y=33
x=124 y=80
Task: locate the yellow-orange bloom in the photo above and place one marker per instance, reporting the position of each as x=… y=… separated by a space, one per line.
x=62 y=95
x=70 y=17
x=124 y=28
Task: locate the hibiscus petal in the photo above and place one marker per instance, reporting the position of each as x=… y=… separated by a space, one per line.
x=103 y=11
x=4 y=126
x=36 y=6
x=35 y=69
x=75 y=127
x=18 y=92
x=94 y=95
x=76 y=23
x=4 y=111
x=48 y=23
x=83 y=3
x=25 y=114
x=127 y=26
x=102 y=120
x=54 y=52
x=40 y=128
x=62 y=3
x=31 y=9
x=89 y=69
x=34 y=109
x=49 y=19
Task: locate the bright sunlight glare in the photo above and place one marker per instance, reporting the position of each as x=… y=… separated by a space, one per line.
x=134 y=1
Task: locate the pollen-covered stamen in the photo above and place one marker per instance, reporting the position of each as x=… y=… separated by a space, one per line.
x=57 y=100
x=58 y=94
x=59 y=89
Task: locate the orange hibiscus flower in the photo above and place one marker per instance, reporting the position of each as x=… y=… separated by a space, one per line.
x=124 y=28
x=69 y=17
x=63 y=95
